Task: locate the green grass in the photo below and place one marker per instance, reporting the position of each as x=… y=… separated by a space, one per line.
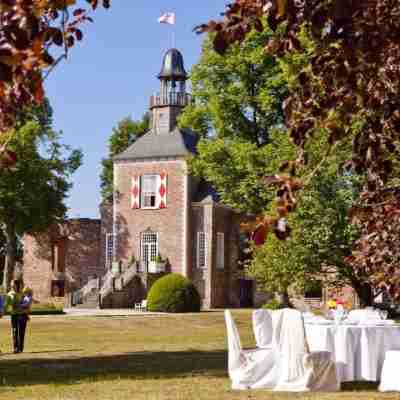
x=178 y=357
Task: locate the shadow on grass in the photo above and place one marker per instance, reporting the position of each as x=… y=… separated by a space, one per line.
x=139 y=365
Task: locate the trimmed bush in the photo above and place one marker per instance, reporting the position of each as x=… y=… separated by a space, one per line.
x=173 y=293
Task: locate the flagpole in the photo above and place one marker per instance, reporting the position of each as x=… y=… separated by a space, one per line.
x=173 y=37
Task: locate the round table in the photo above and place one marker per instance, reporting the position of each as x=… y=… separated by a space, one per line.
x=357 y=350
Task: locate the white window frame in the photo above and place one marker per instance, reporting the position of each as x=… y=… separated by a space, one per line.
x=201 y=259
x=142 y=192
x=152 y=255
x=220 y=250
x=109 y=254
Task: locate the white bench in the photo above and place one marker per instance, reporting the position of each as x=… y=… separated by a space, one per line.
x=142 y=306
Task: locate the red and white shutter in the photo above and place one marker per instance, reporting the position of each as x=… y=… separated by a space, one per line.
x=135 y=192
x=162 y=190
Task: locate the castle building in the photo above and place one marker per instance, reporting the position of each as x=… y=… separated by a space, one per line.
x=161 y=220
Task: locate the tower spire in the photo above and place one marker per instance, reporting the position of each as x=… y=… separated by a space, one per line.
x=167 y=105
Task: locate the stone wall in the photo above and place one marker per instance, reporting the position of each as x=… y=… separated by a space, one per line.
x=68 y=252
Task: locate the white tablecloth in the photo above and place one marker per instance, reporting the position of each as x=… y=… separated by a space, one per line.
x=358 y=350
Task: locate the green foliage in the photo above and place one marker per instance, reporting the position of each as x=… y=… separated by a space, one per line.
x=173 y=293
x=125 y=134
x=236 y=168
x=34 y=194
x=237 y=95
x=32 y=197
x=273 y=305
x=238 y=108
x=321 y=237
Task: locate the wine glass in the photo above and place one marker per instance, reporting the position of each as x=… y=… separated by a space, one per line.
x=383 y=314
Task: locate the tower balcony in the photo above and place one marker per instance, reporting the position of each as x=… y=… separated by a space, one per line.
x=171 y=99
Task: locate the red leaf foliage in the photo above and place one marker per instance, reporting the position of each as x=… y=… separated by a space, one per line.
x=29 y=29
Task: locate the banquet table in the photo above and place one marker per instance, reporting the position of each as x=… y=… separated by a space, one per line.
x=357 y=350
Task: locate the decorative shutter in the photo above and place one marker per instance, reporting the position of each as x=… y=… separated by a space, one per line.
x=135 y=192
x=162 y=191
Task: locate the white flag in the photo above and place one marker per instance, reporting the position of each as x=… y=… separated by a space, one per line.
x=167 y=18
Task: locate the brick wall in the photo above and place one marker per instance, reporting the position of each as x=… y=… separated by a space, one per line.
x=81 y=252
x=217 y=287
x=167 y=222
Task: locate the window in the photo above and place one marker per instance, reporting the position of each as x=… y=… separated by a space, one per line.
x=109 y=249
x=57 y=289
x=59 y=247
x=149 y=191
x=149 y=248
x=220 y=250
x=201 y=250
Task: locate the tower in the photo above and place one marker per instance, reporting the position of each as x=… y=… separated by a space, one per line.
x=167 y=105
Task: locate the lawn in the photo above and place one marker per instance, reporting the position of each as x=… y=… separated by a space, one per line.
x=178 y=357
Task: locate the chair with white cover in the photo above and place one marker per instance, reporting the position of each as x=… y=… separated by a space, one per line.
x=390 y=381
x=248 y=369
x=262 y=328
x=300 y=369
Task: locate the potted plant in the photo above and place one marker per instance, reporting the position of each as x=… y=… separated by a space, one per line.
x=160 y=263
x=132 y=261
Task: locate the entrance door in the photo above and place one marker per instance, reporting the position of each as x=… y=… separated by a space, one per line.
x=149 y=250
x=245 y=293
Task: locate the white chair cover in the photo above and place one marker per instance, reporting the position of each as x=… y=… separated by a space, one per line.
x=390 y=376
x=248 y=368
x=300 y=370
x=262 y=327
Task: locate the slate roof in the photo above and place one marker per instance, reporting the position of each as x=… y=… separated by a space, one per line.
x=173 y=66
x=178 y=143
x=205 y=194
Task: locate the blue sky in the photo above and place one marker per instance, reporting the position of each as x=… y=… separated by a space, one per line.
x=112 y=73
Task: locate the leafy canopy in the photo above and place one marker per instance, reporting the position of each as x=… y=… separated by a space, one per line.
x=238 y=108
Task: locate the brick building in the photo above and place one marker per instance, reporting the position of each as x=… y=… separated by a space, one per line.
x=158 y=212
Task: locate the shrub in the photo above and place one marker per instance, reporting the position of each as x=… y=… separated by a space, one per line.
x=46 y=309
x=173 y=293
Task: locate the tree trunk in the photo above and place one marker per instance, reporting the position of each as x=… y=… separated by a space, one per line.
x=364 y=293
x=11 y=250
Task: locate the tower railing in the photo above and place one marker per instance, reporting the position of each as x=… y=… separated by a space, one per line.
x=171 y=99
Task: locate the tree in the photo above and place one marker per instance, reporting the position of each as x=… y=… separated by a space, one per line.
x=352 y=79
x=321 y=239
x=32 y=197
x=237 y=111
x=125 y=134
x=29 y=32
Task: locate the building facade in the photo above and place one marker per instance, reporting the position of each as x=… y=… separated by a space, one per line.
x=159 y=215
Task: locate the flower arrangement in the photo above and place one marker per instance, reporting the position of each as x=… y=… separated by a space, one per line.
x=338 y=303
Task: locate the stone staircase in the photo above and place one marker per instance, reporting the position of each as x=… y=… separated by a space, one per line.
x=116 y=290
x=90 y=301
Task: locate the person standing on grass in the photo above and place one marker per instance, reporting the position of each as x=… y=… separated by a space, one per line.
x=19 y=314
